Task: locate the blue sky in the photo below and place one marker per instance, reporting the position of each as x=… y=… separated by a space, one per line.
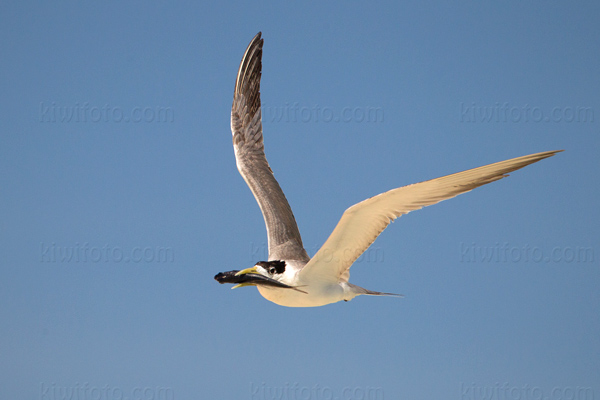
x=121 y=200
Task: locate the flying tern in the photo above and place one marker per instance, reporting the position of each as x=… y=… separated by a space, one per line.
x=290 y=277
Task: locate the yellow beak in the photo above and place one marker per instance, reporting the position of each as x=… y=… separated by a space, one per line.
x=243 y=285
x=247 y=271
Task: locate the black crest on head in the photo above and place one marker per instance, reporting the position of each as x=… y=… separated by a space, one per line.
x=277 y=264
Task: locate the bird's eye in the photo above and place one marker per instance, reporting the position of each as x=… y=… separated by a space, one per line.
x=272 y=270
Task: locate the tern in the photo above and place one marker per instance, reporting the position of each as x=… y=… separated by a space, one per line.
x=290 y=277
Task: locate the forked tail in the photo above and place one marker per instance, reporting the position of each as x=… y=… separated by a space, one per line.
x=359 y=290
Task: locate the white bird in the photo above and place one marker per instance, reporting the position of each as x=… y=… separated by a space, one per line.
x=290 y=277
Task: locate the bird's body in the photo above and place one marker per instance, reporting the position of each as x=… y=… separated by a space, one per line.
x=290 y=277
x=312 y=290
x=317 y=293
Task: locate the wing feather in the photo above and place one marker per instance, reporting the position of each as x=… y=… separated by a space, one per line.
x=362 y=223
x=284 y=238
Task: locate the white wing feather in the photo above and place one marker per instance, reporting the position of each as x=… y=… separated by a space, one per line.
x=363 y=222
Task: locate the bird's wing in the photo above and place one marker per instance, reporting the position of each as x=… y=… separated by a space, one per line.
x=363 y=222
x=246 y=127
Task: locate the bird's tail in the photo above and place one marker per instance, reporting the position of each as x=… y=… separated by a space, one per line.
x=359 y=290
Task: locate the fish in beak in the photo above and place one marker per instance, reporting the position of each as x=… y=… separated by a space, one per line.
x=250 y=277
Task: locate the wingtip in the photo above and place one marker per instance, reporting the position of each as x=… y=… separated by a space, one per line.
x=546 y=154
x=553 y=152
x=256 y=38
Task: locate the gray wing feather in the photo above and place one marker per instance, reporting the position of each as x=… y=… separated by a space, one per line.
x=284 y=238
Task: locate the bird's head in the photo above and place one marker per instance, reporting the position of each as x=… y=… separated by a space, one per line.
x=264 y=273
x=269 y=269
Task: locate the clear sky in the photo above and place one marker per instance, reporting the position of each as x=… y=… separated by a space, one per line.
x=121 y=200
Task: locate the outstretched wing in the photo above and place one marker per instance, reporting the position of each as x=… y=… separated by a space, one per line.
x=284 y=238
x=363 y=222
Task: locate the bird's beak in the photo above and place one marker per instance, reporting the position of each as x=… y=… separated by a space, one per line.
x=239 y=285
x=252 y=270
